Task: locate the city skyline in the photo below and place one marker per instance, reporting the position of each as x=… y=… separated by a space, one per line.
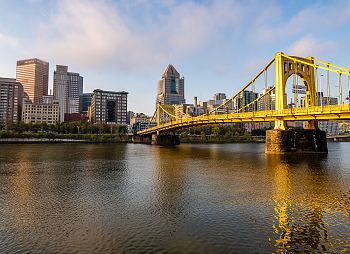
x=219 y=46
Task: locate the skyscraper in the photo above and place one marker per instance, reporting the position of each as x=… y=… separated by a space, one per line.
x=33 y=74
x=171 y=88
x=10 y=99
x=219 y=96
x=67 y=87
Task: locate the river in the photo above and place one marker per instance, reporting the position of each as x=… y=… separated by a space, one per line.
x=192 y=198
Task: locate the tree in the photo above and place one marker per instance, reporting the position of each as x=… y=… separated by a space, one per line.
x=63 y=128
x=184 y=134
x=57 y=127
x=215 y=131
x=44 y=127
x=122 y=129
x=228 y=135
x=247 y=135
x=72 y=128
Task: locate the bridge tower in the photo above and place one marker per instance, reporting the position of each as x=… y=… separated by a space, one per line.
x=286 y=67
x=281 y=139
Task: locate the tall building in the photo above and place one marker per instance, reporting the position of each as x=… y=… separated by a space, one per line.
x=170 y=90
x=67 y=87
x=219 y=96
x=138 y=117
x=10 y=99
x=244 y=98
x=85 y=103
x=40 y=112
x=268 y=101
x=109 y=107
x=33 y=74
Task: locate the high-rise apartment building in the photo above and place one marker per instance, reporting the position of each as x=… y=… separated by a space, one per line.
x=11 y=93
x=109 y=107
x=170 y=90
x=67 y=87
x=33 y=74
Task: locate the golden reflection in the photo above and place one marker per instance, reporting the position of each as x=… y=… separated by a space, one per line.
x=169 y=180
x=299 y=224
x=20 y=200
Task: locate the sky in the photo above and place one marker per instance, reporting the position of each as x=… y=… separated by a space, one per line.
x=125 y=45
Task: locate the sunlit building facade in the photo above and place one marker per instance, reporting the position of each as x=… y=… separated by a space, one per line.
x=170 y=89
x=67 y=88
x=33 y=74
x=40 y=112
x=10 y=99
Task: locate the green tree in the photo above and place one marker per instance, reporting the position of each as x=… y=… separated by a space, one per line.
x=44 y=127
x=247 y=135
x=36 y=127
x=215 y=131
x=63 y=128
x=122 y=129
x=228 y=135
x=184 y=134
x=72 y=128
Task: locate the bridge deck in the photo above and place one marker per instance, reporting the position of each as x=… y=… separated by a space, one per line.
x=324 y=113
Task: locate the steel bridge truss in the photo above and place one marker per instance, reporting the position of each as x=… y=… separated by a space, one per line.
x=169 y=118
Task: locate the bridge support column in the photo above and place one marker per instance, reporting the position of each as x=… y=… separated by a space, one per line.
x=296 y=141
x=165 y=139
x=142 y=139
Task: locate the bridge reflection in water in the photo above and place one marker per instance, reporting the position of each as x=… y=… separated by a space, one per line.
x=206 y=198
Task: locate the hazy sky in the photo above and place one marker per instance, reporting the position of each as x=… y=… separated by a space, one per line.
x=218 y=45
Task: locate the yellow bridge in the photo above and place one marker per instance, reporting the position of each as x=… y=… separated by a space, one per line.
x=168 y=118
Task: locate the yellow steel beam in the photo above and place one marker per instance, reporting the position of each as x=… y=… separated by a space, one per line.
x=319 y=66
x=258 y=75
x=336 y=112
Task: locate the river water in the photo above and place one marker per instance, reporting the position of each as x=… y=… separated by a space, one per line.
x=193 y=198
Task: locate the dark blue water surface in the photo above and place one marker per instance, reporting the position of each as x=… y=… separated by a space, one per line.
x=193 y=198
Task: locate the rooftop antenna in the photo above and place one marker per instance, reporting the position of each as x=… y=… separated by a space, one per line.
x=170 y=57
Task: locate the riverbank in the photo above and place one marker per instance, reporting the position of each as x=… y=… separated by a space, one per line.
x=219 y=140
x=57 y=140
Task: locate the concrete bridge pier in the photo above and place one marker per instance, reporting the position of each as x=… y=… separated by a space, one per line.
x=141 y=139
x=310 y=140
x=157 y=139
x=165 y=139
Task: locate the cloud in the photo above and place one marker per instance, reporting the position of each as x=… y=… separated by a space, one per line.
x=309 y=46
x=89 y=33
x=272 y=24
x=6 y=40
x=255 y=65
x=131 y=35
x=94 y=33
